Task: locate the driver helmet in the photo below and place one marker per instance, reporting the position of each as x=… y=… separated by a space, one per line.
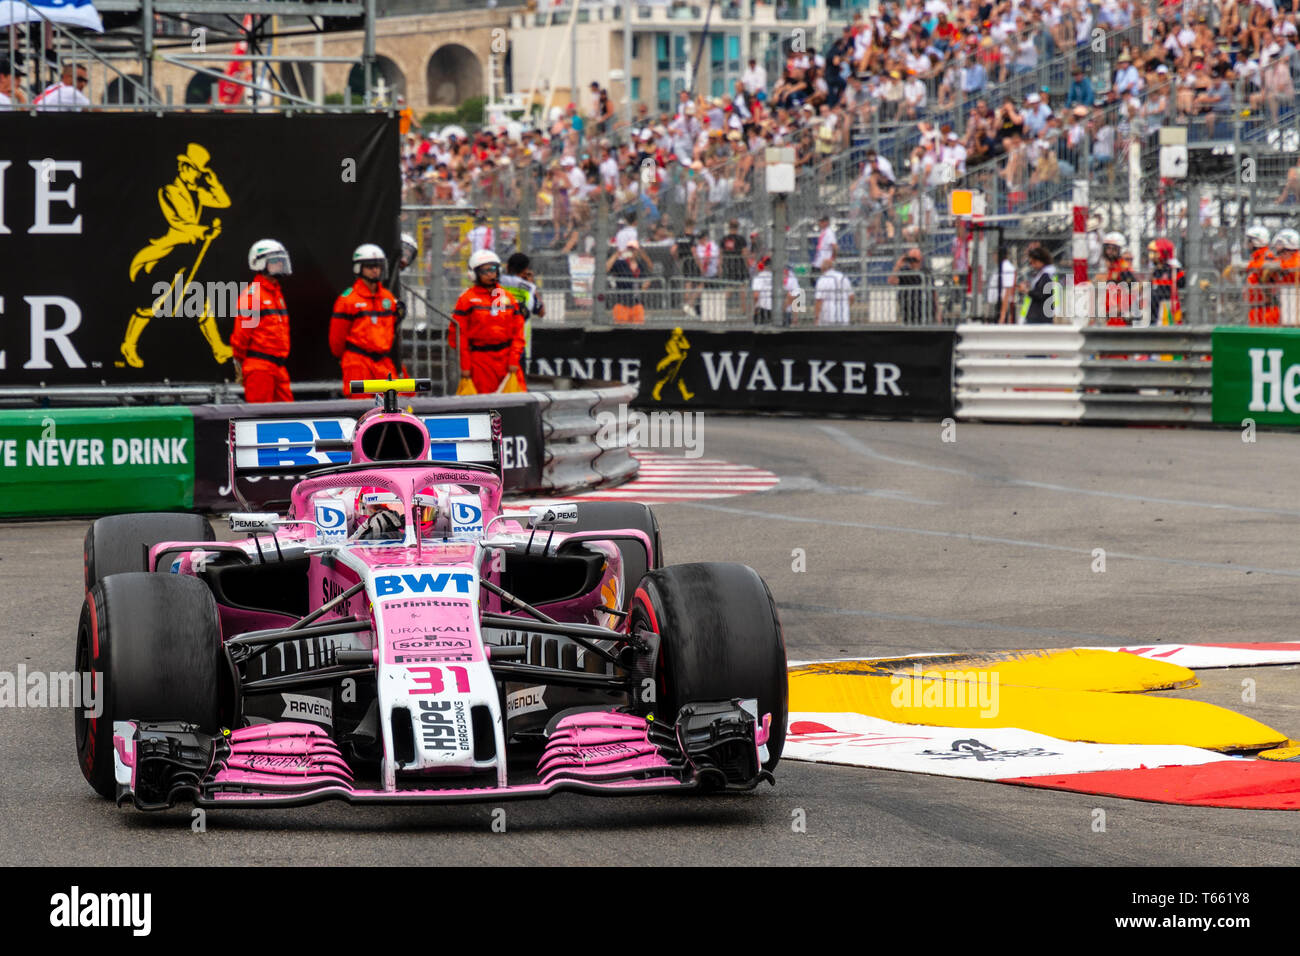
x=371 y=500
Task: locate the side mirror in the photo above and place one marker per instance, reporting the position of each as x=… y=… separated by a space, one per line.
x=249 y=521
x=550 y=516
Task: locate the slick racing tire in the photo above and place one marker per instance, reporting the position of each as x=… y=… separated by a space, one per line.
x=120 y=543
x=615 y=516
x=153 y=644
x=720 y=638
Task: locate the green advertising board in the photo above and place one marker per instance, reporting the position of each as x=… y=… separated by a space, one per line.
x=1256 y=375
x=92 y=461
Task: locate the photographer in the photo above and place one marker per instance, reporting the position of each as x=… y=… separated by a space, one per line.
x=917 y=304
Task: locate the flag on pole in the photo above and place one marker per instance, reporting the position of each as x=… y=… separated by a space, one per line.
x=73 y=13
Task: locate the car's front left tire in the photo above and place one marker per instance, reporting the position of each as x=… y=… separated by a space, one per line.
x=153 y=644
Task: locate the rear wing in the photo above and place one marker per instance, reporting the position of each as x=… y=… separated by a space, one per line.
x=297 y=446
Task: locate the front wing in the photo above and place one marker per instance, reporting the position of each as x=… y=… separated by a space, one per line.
x=711 y=745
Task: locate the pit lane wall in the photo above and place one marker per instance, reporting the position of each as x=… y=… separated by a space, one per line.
x=98 y=461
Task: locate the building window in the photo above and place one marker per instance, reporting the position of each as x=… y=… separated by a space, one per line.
x=636 y=89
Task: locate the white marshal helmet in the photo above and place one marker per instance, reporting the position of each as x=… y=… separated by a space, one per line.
x=269 y=256
x=1113 y=239
x=484 y=257
x=1257 y=236
x=1287 y=239
x=409 y=249
x=368 y=253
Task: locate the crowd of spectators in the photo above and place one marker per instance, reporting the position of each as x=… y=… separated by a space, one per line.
x=957 y=81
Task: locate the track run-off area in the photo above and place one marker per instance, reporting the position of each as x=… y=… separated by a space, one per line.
x=879 y=540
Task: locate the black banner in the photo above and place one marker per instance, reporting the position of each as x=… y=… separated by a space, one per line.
x=903 y=373
x=124 y=237
x=522 y=452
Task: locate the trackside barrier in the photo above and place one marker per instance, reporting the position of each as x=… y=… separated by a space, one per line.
x=98 y=461
x=1082 y=373
x=577 y=456
x=74 y=461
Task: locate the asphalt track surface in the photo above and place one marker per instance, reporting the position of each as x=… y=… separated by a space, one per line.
x=911 y=544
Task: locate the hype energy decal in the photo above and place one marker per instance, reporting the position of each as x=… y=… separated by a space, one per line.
x=82 y=461
x=1256 y=375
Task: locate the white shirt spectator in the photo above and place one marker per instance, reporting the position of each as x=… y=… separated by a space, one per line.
x=609 y=170
x=754 y=80
x=481 y=237
x=710 y=258
x=577 y=180
x=762 y=284
x=993 y=296
x=827 y=245
x=914 y=92
x=835 y=293
x=1083 y=26
x=918 y=63
x=60 y=97
x=953 y=156
x=625 y=236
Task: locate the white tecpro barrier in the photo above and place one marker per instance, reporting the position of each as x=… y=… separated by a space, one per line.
x=1082 y=373
x=1019 y=372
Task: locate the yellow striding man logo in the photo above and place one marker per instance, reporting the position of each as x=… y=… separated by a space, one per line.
x=671 y=366
x=183 y=200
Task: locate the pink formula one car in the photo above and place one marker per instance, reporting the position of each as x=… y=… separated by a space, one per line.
x=397 y=638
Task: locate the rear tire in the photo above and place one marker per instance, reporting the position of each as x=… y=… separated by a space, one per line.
x=119 y=543
x=720 y=638
x=154 y=646
x=615 y=516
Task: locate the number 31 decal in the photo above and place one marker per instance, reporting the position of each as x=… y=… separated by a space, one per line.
x=431 y=678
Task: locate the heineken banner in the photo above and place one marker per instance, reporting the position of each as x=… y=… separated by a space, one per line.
x=1256 y=375
x=889 y=372
x=85 y=461
x=124 y=237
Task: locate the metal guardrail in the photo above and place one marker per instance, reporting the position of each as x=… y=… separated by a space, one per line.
x=1080 y=373
x=575 y=458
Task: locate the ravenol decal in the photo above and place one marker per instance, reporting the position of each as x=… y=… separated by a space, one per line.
x=423 y=582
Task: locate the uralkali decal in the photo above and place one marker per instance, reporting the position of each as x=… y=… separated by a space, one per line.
x=978 y=754
x=430 y=629
x=315 y=709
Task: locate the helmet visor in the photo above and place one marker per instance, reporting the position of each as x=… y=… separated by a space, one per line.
x=277 y=264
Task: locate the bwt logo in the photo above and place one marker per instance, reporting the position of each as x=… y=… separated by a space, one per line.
x=395 y=585
x=330 y=519
x=463 y=513
x=297 y=443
